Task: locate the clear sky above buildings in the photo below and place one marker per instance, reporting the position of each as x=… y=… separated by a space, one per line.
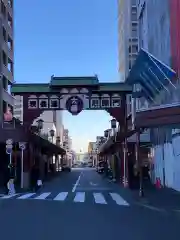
x=68 y=38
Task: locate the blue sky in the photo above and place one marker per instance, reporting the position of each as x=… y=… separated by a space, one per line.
x=68 y=38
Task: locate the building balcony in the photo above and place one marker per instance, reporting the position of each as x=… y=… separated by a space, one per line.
x=6 y=25
x=8 y=98
x=8 y=51
x=9 y=8
x=8 y=74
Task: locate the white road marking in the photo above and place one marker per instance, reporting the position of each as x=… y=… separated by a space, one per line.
x=61 y=196
x=99 y=198
x=25 y=196
x=152 y=208
x=9 y=196
x=80 y=197
x=43 y=196
x=93 y=184
x=118 y=199
x=77 y=182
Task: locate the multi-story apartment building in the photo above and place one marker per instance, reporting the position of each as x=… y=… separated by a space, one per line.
x=157 y=39
x=92 y=153
x=127 y=36
x=160 y=36
x=67 y=141
x=6 y=55
x=59 y=125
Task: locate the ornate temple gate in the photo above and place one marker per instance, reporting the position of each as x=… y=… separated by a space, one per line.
x=74 y=94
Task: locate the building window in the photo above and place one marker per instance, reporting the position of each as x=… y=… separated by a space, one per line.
x=17 y=112
x=4 y=83
x=10 y=2
x=134 y=49
x=18 y=106
x=4 y=57
x=10 y=65
x=10 y=43
x=134 y=16
x=10 y=21
x=4 y=34
x=134 y=33
x=3 y=9
x=9 y=88
x=4 y=106
x=133 y=2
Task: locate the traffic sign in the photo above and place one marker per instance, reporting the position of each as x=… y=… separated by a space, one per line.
x=9 y=141
x=9 y=146
x=8 y=150
x=22 y=145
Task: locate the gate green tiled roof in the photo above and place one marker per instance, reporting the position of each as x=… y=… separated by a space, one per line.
x=74 y=81
x=30 y=88
x=114 y=86
x=63 y=82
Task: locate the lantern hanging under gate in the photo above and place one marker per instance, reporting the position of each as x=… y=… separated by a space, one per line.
x=113 y=123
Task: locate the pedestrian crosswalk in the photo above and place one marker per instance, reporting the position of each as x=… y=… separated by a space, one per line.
x=101 y=198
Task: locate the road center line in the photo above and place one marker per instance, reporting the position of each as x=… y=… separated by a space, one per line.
x=77 y=182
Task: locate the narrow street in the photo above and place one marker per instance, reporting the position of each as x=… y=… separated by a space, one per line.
x=82 y=205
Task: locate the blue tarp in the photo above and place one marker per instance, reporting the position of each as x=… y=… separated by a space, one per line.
x=151 y=74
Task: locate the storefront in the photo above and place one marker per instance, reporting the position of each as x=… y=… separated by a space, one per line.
x=35 y=148
x=155 y=92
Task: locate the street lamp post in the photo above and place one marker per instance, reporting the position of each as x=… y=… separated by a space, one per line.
x=58 y=141
x=113 y=126
x=113 y=123
x=40 y=123
x=52 y=134
x=106 y=133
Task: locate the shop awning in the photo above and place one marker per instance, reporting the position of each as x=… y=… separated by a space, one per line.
x=164 y=115
x=151 y=74
x=112 y=142
x=18 y=133
x=46 y=145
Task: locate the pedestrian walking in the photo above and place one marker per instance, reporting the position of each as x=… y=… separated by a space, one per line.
x=35 y=177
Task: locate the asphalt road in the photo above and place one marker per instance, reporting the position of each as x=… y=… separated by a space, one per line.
x=83 y=205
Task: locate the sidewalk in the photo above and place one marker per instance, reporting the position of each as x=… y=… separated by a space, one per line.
x=165 y=198
x=18 y=189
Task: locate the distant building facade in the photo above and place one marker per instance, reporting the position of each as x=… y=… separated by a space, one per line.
x=127 y=36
